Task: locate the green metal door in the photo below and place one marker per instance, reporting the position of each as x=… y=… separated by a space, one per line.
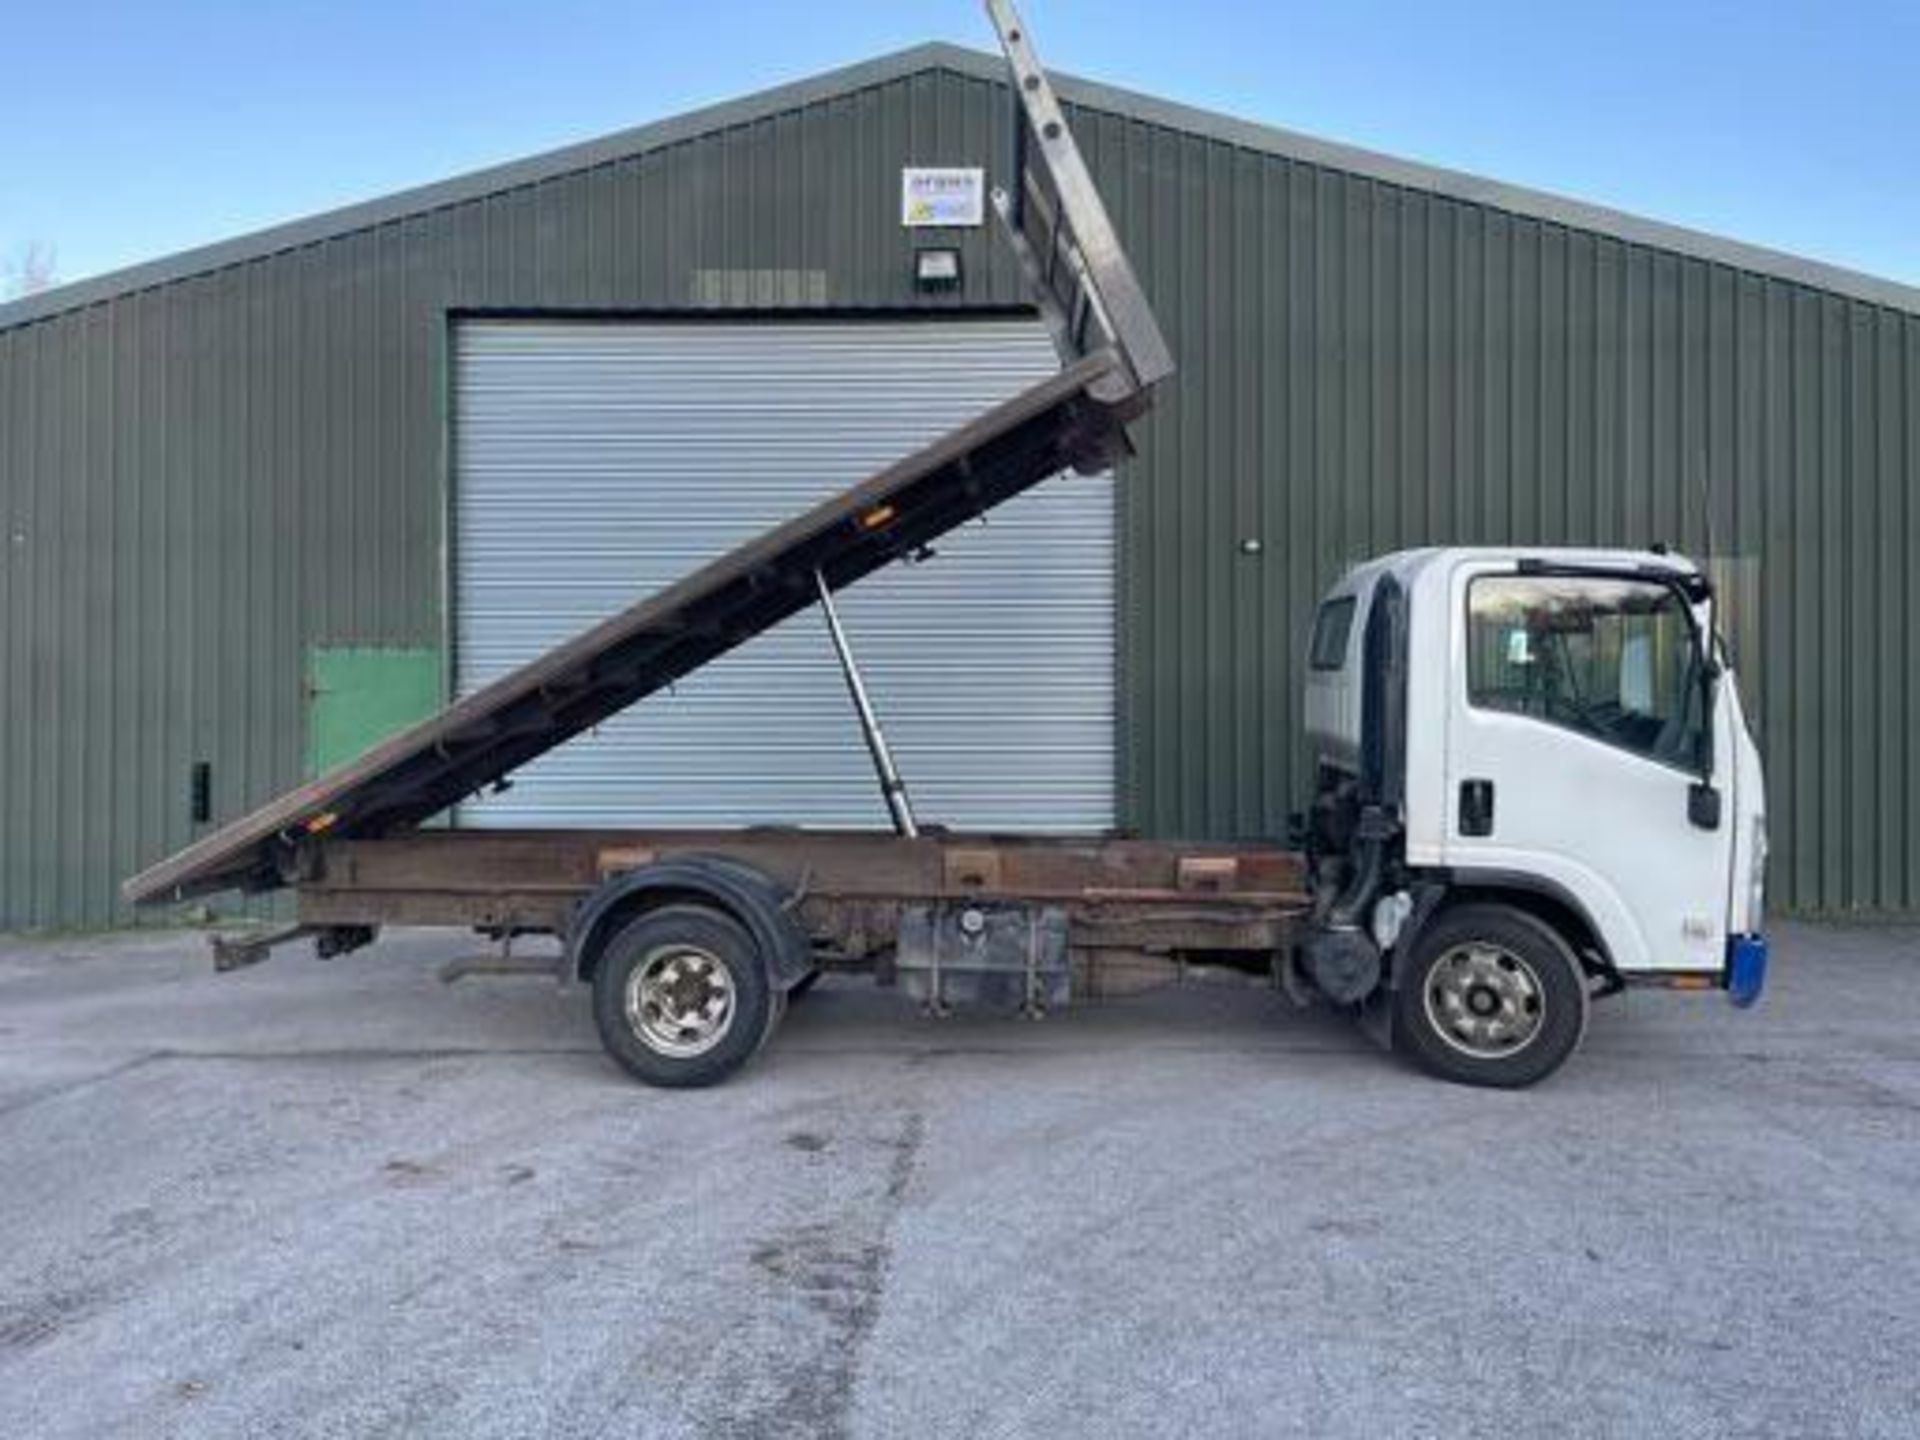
x=358 y=695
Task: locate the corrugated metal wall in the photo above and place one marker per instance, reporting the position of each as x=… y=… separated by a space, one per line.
x=1366 y=367
x=202 y=480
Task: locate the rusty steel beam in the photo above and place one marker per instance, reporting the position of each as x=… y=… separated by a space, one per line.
x=1122 y=894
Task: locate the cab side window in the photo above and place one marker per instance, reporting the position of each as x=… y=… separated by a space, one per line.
x=1612 y=659
x=1331 y=629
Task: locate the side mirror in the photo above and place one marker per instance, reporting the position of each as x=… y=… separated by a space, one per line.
x=1703 y=805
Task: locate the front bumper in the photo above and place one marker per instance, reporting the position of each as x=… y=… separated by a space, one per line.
x=1746 y=969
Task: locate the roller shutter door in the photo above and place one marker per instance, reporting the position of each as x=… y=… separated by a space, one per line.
x=599 y=461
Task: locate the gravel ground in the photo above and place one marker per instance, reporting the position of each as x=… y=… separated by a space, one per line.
x=347 y=1199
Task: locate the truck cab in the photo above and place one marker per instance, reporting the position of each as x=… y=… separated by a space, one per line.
x=1534 y=785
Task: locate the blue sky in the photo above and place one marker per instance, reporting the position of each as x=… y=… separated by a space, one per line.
x=129 y=131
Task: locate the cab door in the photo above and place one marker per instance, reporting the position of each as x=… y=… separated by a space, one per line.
x=1578 y=724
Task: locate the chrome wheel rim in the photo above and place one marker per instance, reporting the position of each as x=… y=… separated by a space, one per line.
x=680 y=1000
x=1485 y=1001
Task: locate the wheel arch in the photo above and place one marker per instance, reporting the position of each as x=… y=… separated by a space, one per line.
x=1547 y=902
x=740 y=891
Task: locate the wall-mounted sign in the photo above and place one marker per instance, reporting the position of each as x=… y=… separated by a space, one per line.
x=942 y=195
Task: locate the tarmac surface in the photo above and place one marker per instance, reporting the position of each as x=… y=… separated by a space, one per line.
x=347 y=1199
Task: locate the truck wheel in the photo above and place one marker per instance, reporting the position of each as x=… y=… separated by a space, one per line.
x=682 y=998
x=1490 y=996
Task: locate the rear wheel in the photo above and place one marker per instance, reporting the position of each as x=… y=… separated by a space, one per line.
x=1490 y=995
x=682 y=998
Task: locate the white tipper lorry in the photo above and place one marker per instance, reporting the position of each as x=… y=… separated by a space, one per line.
x=1533 y=782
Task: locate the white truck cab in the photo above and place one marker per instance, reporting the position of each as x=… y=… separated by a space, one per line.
x=1534 y=785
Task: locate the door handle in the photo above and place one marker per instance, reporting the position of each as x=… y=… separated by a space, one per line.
x=1476 y=807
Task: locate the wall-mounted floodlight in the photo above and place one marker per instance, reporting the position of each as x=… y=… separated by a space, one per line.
x=936 y=268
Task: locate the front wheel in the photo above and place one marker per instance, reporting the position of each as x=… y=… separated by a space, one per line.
x=1490 y=995
x=681 y=997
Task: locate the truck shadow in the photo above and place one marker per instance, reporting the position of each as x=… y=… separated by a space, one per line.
x=849 y=1013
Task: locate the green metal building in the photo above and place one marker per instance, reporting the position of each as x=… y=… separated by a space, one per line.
x=231 y=476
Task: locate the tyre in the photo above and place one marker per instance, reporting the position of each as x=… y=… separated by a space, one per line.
x=1490 y=995
x=682 y=998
